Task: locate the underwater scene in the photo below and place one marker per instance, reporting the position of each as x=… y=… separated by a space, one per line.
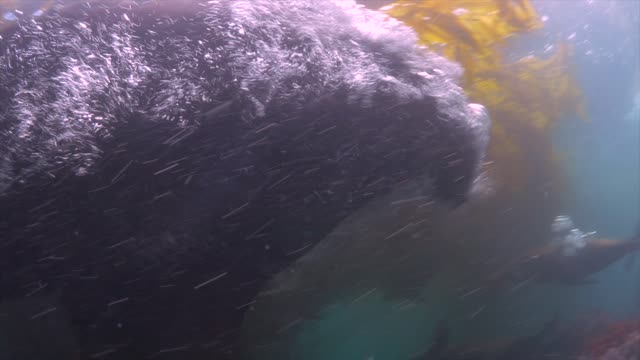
x=320 y=179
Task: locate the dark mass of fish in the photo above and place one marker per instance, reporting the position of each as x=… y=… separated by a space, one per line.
x=159 y=161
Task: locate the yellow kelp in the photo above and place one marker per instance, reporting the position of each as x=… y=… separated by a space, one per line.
x=524 y=98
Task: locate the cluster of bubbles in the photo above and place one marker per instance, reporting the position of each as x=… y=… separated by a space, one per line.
x=571 y=238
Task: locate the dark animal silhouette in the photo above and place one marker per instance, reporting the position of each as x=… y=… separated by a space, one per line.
x=550 y=263
x=159 y=161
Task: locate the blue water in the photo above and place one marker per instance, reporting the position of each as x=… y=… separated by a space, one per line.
x=604 y=155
